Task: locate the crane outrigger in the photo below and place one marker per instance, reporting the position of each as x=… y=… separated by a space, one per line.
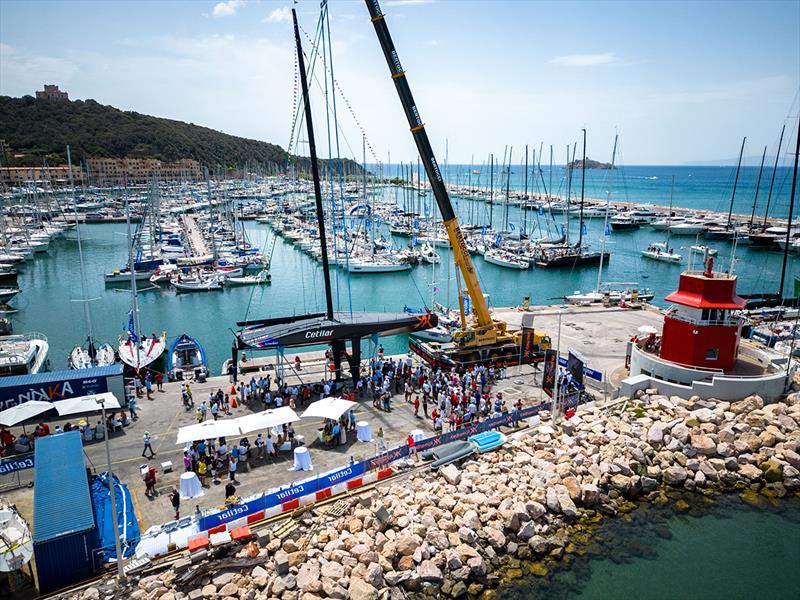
x=487 y=339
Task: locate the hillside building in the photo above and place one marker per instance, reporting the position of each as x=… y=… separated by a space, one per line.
x=51 y=92
x=105 y=171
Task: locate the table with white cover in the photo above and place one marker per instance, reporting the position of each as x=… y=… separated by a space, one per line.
x=418 y=435
x=190 y=486
x=363 y=431
x=302 y=460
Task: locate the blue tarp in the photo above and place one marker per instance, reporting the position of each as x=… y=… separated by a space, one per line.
x=129 y=534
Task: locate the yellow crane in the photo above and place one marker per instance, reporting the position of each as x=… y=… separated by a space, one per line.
x=487 y=339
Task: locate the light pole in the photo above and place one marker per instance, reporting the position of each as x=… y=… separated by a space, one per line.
x=120 y=570
x=557 y=401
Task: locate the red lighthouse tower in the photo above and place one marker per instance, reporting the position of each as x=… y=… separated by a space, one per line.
x=701 y=330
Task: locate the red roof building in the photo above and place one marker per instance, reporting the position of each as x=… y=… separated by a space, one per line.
x=701 y=329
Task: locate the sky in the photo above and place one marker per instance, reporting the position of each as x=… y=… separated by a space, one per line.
x=679 y=81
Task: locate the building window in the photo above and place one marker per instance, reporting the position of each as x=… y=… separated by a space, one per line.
x=712 y=354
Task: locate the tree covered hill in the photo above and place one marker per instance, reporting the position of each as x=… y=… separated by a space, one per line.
x=40 y=129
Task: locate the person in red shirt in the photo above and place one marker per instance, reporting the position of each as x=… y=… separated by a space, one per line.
x=412 y=446
x=434 y=415
x=416 y=406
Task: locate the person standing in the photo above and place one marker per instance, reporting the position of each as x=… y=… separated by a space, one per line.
x=147 y=444
x=132 y=408
x=175 y=498
x=148 y=384
x=159 y=382
x=232 y=468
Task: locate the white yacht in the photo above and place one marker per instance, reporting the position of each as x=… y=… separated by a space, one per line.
x=660 y=251
x=23 y=354
x=504 y=259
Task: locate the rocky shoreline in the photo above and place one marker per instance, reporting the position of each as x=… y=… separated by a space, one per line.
x=463 y=532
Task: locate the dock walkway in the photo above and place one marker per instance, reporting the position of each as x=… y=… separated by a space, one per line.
x=196 y=241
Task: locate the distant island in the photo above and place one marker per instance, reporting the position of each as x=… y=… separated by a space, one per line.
x=590 y=164
x=36 y=132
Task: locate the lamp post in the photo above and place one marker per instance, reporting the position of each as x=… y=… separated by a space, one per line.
x=117 y=544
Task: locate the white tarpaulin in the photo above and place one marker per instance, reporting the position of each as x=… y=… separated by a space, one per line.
x=208 y=430
x=328 y=408
x=82 y=404
x=267 y=419
x=23 y=412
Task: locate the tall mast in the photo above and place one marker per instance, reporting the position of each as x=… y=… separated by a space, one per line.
x=86 y=311
x=211 y=215
x=491 y=191
x=508 y=185
x=583 y=186
x=525 y=197
x=758 y=185
x=791 y=212
x=312 y=147
x=134 y=304
x=774 y=171
x=735 y=182
x=605 y=220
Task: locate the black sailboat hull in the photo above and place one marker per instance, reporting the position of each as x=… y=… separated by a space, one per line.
x=318 y=329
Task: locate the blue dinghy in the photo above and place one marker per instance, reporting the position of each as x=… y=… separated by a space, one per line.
x=126 y=518
x=186 y=359
x=488 y=440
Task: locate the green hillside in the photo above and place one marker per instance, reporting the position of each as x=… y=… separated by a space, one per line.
x=42 y=129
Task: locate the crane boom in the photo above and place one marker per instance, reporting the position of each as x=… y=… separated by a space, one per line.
x=486 y=330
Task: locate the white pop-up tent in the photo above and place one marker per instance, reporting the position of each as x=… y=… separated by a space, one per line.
x=23 y=412
x=208 y=430
x=267 y=419
x=83 y=404
x=328 y=408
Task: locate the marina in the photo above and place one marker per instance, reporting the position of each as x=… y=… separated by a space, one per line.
x=230 y=369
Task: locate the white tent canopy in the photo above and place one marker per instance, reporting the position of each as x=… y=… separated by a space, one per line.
x=267 y=419
x=23 y=412
x=647 y=329
x=82 y=404
x=208 y=430
x=328 y=408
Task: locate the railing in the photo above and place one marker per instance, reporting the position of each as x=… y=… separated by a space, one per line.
x=703 y=322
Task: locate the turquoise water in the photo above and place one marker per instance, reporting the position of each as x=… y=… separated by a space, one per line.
x=701 y=188
x=727 y=550
x=49 y=302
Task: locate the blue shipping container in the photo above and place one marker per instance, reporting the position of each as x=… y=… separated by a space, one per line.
x=64 y=534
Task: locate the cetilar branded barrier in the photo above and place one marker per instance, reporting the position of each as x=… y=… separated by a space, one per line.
x=349 y=477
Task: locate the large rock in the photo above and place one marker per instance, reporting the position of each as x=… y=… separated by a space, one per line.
x=527 y=531
x=374 y=576
x=655 y=435
x=308 y=577
x=704 y=445
x=680 y=432
x=793 y=458
x=590 y=495
x=429 y=572
x=674 y=475
x=333 y=570
x=747 y=405
x=407 y=543
x=451 y=473
x=361 y=590
x=705 y=415
x=567 y=505
x=773 y=470
x=496 y=538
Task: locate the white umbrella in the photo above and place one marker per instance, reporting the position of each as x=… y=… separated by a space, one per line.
x=208 y=430
x=267 y=419
x=328 y=408
x=23 y=412
x=647 y=329
x=83 y=404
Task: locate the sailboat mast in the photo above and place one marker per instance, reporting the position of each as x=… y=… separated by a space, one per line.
x=508 y=186
x=491 y=191
x=211 y=215
x=774 y=171
x=86 y=311
x=758 y=185
x=605 y=220
x=134 y=303
x=735 y=182
x=312 y=147
x=791 y=212
x=525 y=197
x=583 y=187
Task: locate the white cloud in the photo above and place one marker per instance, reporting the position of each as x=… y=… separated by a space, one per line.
x=279 y=15
x=585 y=60
x=227 y=9
x=406 y=2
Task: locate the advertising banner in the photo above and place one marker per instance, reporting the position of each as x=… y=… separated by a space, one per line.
x=549 y=376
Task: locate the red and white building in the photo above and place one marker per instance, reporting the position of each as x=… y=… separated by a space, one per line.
x=700 y=350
